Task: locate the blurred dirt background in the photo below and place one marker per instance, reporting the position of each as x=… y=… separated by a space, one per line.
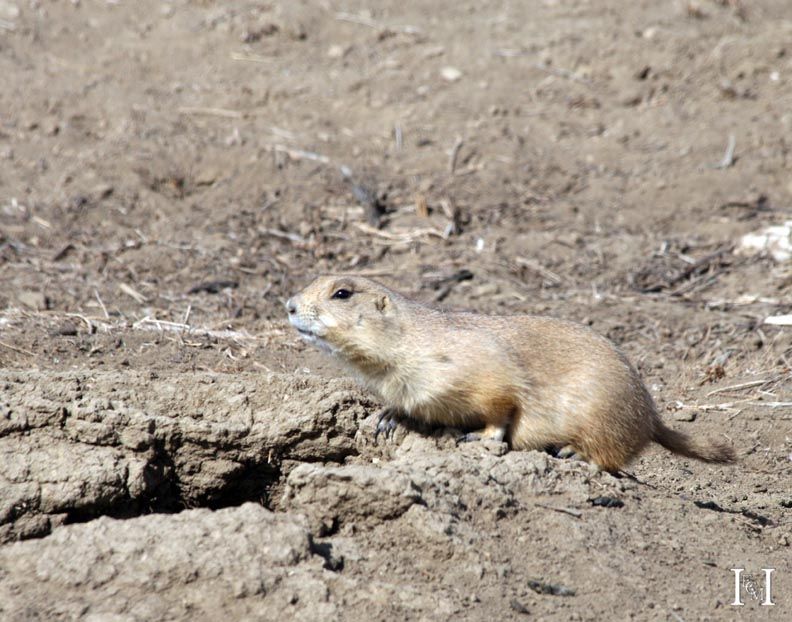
x=170 y=172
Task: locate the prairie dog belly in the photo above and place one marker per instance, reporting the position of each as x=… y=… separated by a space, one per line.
x=454 y=383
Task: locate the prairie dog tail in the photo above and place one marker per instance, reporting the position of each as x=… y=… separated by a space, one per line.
x=680 y=443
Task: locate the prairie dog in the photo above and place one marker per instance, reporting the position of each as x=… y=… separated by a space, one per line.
x=536 y=382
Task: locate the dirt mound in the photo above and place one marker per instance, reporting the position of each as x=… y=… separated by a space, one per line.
x=446 y=530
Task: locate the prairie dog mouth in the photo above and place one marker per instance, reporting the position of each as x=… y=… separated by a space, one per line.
x=310 y=332
x=300 y=325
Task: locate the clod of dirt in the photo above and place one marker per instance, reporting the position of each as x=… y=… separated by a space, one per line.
x=76 y=446
x=35 y=301
x=342 y=495
x=238 y=562
x=66 y=329
x=684 y=415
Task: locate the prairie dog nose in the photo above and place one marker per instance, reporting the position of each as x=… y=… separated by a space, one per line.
x=291 y=306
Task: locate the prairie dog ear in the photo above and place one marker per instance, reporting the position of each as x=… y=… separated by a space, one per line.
x=382 y=302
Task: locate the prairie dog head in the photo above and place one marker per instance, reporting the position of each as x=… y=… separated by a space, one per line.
x=346 y=315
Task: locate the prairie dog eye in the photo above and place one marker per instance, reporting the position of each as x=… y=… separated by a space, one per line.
x=342 y=294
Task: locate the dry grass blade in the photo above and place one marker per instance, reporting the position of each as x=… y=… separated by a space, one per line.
x=779 y=320
x=765 y=382
x=406 y=236
x=150 y=323
x=283 y=235
x=251 y=58
x=101 y=304
x=539 y=269
x=728 y=156
x=212 y=112
x=15 y=349
x=301 y=154
x=131 y=291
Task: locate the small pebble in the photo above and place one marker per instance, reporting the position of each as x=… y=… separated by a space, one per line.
x=450 y=74
x=67 y=329
x=336 y=51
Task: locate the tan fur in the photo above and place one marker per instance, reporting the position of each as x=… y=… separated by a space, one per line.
x=545 y=382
